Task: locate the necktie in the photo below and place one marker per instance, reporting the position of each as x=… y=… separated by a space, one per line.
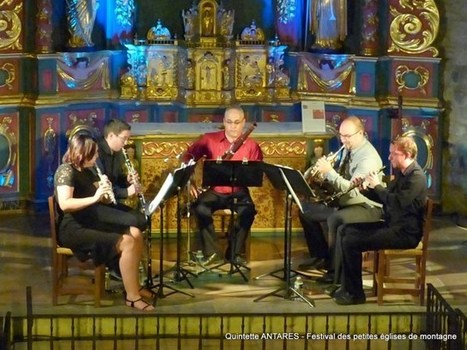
x=344 y=164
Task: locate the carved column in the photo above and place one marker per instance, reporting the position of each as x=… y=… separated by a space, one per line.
x=44 y=26
x=369 y=41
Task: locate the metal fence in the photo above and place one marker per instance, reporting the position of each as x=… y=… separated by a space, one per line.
x=445 y=326
x=440 y=327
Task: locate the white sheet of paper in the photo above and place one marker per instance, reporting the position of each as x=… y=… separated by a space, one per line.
x=156 y=202
x=313 y=117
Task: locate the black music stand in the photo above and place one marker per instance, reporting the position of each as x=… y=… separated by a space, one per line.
x=171 y=187
x=233 y=173
x=291 y=180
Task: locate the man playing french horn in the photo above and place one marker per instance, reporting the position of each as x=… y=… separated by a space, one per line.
x=358 y=159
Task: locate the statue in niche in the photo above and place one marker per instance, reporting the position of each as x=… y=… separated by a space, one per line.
x=328 y=24
x=81 y=15
x=189 y=17
x=282 y=77
x=190 y=75
x=226 y=74
x=207 y=21
x=270 y=72
x=227 y=21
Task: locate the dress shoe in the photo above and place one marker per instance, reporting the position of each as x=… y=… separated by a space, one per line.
x=316 y=264
x=348 y=299
x=331 y=290
x=327 y=278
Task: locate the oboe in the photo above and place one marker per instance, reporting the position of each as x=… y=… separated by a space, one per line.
x=109 y=195
x=132 y=171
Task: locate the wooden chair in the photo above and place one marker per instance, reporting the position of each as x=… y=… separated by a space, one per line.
x=383 y=271
x=63 y=283
x=226 y=225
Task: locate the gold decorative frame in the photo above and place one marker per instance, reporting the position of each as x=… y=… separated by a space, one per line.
x=6 y=171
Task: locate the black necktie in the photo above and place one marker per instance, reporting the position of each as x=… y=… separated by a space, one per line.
x=344 y=164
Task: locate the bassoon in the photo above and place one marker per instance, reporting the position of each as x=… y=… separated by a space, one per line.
x=238 y=142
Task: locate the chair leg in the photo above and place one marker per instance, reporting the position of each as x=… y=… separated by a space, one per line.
x=99 y=276
x=380 y=277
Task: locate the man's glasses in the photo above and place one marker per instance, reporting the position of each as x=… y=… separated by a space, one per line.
x=123 y=138
x=343 y=136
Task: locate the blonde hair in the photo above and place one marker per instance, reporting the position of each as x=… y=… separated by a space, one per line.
x=406 y=145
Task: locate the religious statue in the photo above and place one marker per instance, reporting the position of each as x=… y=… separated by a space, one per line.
x=81 y=15
x=208 y=22
x=227 y=22
x=226 y=74
x=189 y=17
x=328 y=23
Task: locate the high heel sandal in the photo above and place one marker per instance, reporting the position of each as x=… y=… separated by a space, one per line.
x=151 y=294
x=133 y=304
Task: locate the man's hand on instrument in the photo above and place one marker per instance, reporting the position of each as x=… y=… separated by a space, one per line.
x=133 y=178
x=132 y=190
x=373 y=179
x=323 y=165
x=194 y=192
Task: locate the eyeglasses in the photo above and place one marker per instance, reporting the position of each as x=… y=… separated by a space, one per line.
x=124 y=139
x=342 y=136
x=236 y=122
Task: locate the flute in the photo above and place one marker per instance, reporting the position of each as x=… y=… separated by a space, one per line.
x=110 y=194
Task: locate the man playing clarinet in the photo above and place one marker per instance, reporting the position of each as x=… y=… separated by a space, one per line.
x=213 y=146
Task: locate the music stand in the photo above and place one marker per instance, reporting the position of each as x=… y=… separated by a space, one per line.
x=171 y=186
x=295 y=185
x=233 y=173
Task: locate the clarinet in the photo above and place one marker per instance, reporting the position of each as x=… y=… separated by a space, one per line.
x=357 y=183
x=132 y=171
x=110 y=195
x=238 y=142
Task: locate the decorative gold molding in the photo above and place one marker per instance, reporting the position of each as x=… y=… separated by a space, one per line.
x=403 y=73
x=9 y=69
x=415 y=31
x=283 y=148
x=164 y=149
x=7 y=176
x=10 y=27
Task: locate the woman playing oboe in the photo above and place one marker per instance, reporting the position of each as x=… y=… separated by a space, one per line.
x=93 y=229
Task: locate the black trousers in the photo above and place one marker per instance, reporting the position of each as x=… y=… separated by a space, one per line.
x=210 y=201
x=358 y=238
x=321 y=245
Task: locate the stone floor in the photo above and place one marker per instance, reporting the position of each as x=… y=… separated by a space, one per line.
x=25 y=261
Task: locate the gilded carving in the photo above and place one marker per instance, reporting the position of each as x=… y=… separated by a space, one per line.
x=423 y=139
x=50 y=146
x=9 y=74
x=415 y=30
x=164 y=149
x=283 y=148
x=8 y=153
x=11 y=28
x=328 y=72
x=412 y=79
x=83 y=72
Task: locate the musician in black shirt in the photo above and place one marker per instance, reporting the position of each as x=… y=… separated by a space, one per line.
x=403 y=206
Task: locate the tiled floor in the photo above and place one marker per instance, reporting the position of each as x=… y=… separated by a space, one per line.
x=25 y=261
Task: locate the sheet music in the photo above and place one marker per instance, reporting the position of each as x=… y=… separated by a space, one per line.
x=291 y=191
x=161 y=194
x=166 y=186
